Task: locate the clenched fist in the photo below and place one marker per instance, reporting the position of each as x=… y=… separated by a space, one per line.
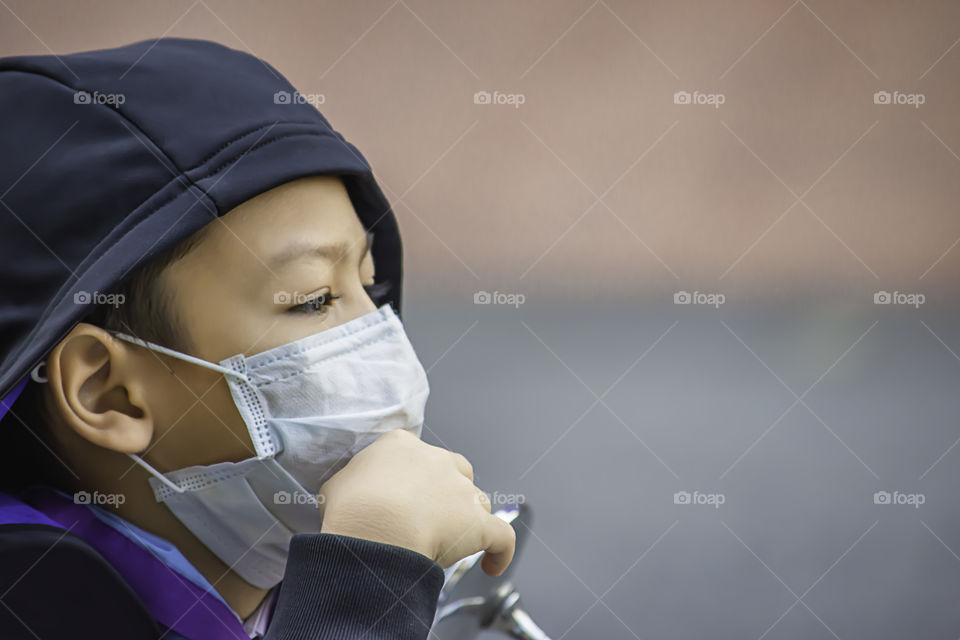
x=405 y=492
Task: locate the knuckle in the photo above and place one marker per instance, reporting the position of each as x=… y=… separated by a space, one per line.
x=389 y=436
x=461 y=461
x=480 y=497
x=506 y=530
x=398 y=437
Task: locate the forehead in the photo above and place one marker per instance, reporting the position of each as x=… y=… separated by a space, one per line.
x=314 y=210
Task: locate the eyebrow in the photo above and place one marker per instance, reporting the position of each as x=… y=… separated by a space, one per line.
x=332 y=252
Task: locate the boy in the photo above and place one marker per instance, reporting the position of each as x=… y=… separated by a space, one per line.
x=212 y=410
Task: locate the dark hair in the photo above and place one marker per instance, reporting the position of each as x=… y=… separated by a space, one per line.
x=146 y=309
x=146 y=312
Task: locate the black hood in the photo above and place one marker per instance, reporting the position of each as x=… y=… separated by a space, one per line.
x=109 y=157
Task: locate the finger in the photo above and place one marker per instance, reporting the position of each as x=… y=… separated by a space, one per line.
x=463 y=465
x=502 y=543
x=482 y=499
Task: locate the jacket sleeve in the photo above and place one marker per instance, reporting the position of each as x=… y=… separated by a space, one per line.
x=343 y=588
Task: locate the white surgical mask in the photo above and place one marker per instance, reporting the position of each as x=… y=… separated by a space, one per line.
x=309 y=407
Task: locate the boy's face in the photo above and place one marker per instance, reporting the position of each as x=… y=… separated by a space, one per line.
x=287 y=264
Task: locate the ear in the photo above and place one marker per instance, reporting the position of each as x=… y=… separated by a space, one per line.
x=99 y=389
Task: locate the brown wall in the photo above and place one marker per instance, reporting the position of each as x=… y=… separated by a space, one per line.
x=694 y=197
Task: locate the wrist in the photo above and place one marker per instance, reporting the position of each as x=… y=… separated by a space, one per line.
x=376 y=525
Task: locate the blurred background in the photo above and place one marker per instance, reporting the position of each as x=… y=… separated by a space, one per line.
x=683 y=275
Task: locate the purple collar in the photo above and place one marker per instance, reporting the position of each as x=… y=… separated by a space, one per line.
x=172 y=599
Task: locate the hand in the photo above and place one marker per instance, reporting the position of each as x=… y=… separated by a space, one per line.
x=403 y=491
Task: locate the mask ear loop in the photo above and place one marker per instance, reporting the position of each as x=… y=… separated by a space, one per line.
x=186 y=358
x=156 y=474
x=181 y=356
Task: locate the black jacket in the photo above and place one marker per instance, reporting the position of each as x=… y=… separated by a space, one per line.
x=54 y=585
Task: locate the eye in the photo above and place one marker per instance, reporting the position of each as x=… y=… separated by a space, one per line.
x=317 y=305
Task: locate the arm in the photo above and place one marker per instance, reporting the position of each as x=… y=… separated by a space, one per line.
x=341 y=587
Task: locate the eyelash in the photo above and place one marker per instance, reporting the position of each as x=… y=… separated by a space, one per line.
x=311 y=306
x=373 y=290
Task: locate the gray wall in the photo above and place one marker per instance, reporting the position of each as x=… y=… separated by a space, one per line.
x=701 y=412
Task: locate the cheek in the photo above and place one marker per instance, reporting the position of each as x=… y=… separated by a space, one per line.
x=192 y=432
